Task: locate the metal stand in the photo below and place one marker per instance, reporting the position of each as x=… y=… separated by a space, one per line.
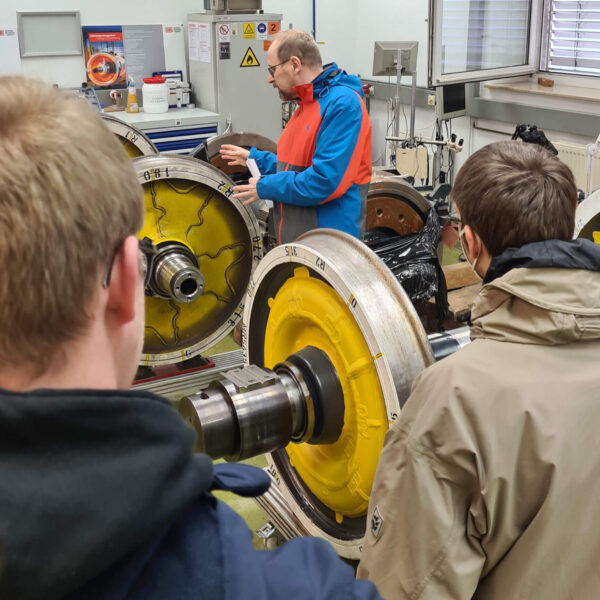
x=397 y=100
x=413 y=93
x=396 y=128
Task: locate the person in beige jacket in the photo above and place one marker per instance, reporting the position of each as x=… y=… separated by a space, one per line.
x=489 y=482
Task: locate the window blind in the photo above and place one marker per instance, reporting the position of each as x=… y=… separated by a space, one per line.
x=574 y=37
x=484 y=34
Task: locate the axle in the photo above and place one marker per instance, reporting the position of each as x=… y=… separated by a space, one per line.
x=253 y=410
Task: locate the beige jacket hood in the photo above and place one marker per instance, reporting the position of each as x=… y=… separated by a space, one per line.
x=488 y=483
x=539 y=306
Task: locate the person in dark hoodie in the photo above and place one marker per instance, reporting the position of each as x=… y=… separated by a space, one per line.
x=489 y=479
x=100 y=493
x=322 y=170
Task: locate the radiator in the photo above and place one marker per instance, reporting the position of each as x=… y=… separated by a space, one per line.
x=575 y=156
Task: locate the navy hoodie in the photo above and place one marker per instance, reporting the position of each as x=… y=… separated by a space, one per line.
x=101 y=497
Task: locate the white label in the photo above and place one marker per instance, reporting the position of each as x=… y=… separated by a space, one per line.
x=199 y=41
x=10 y=57
x=253 y=167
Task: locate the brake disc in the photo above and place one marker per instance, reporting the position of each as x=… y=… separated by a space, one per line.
x=209 y=151
x=395 y=205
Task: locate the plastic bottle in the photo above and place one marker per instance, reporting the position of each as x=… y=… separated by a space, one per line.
x=132 y=103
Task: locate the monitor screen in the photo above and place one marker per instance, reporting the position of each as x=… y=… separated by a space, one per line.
x=386 y=55
x=451 y=101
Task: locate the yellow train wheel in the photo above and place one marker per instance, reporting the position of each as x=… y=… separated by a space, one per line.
x=587 y=218
x=135 y=141
x=306 y=311
x=191 y=215
x=301 y=295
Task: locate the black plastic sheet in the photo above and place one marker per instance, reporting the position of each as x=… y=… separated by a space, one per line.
x=414 y=261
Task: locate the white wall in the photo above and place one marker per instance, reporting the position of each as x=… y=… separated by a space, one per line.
x=346 y=30
x=69 y=71
x=337 y=32
x=297 y=14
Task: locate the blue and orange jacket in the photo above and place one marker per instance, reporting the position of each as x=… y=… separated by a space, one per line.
x=322 y=170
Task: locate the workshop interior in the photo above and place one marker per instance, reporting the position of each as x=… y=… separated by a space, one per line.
x=299 y=356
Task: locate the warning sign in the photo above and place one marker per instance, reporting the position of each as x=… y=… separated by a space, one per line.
x=248 y=30
x=249 y=59
x=261 y=31
x=273 y=27
x=224 y=34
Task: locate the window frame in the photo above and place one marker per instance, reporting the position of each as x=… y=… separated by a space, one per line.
x=437 y=77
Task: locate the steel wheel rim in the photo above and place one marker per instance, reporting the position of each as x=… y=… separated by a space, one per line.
x=398 y=353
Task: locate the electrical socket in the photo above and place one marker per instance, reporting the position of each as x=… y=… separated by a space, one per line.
x=431 y=99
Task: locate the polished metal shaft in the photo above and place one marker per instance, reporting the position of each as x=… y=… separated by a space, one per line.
x=176 y=276
x=245 y=414
x=448 y=342
x=253 y=410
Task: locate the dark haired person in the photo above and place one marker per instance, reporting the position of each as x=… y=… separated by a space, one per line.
x=489 y=481
x=322 y=170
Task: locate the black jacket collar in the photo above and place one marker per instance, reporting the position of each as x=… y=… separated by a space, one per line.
x=557 y=254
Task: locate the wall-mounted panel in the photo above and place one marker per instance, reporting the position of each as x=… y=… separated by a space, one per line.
x=49 y=33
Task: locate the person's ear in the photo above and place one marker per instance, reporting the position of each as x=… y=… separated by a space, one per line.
x=296 y=63
x=473 y=243
x=124 y=281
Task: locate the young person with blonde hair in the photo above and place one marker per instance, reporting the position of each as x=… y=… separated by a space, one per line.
x=100 y=494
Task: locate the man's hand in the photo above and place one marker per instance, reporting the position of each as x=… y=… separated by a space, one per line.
x=234 y=155
x=247 y=193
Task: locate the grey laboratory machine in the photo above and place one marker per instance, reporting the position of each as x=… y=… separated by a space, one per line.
x=228 y=68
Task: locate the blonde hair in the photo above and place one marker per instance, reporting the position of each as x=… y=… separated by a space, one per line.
x=293 y=42
x=68 y=197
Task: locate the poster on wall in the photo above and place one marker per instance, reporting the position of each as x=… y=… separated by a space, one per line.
x=104 y=56
x=144 y=51
x=199 y=42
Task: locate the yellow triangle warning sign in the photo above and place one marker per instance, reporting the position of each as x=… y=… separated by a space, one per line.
x=249 y=59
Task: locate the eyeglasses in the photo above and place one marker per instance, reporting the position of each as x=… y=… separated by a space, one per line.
x=274 y=67
x=147 y=252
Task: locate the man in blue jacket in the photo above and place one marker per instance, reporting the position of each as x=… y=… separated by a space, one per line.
x=322 y=170
x=100 y=494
